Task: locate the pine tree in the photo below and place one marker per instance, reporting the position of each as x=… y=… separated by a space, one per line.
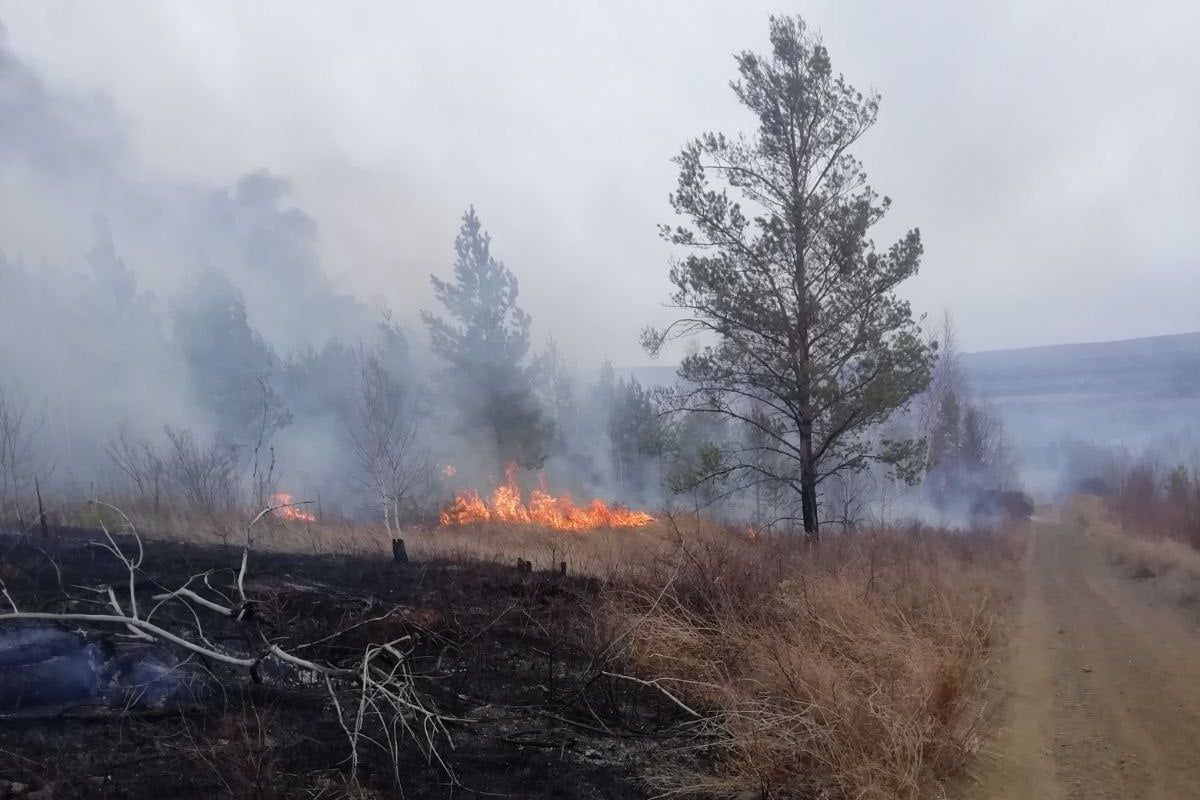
x=230 y=365
x=797 y=308
x=639 y=438
x=484 y=340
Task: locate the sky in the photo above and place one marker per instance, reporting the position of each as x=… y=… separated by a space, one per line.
x=1049 y=152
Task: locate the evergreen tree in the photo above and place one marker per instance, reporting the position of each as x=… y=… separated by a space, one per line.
x=700 y=459
x=484 y=340
x=797 y=308
x=639 y=438
x=947 y=432
x=230 y=365
x=115 y=281
x=320 y=382
x=973 y=446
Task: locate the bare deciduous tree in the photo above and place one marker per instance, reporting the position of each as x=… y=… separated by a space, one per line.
x=20 y=465
x=391 y=462
x=967 y=451
x=850 y=497
x=558 y=389
x=946 y=379
x=205 y=476
x=272 y=417
x=140 y=461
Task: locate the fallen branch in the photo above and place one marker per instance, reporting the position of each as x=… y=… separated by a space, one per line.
x=654 y=684
x=381 y=679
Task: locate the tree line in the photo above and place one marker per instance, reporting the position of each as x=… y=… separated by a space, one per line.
x=810 y=390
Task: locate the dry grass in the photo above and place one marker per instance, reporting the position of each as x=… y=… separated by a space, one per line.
x=853 y=670
x=1142 y=553
x=272 y=534
x=600 y=553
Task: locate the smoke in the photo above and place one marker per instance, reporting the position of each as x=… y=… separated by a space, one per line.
x=182 y=322
x=112 y=283
x=1070 y=410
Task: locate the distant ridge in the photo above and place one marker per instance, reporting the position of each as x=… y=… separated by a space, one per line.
x=1130 y=392
x=1189 y=341
x=1125 y=366
x=1146 y=365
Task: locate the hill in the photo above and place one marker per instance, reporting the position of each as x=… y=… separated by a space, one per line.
x=1155 y=365
x=1132 y=392
x=1129 y=392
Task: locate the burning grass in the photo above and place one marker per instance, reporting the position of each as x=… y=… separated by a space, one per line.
x=506 y=505
x=287 y=507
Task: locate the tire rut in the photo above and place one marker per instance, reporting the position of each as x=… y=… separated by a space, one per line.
x=1106 y=684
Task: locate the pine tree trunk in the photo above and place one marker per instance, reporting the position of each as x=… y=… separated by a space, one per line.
x=808 y=502
x=808 y=484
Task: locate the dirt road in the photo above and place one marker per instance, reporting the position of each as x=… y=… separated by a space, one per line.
x=1106 y=680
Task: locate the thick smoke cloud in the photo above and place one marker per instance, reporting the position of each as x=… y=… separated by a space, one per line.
x=1046 y=151
x=100 y=267
x=163 y=319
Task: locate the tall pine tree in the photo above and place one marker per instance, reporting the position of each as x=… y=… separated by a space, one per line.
x=796 y=307
x=484 y=340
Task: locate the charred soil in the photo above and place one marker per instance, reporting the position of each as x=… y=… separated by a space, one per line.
x=503 y=655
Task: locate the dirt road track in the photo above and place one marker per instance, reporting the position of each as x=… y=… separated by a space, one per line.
x=1106 y=680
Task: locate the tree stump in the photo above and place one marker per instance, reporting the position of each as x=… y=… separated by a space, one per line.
x=37 y=487
x=399 y=554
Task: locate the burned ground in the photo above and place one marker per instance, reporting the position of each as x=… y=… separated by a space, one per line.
x=510 y=659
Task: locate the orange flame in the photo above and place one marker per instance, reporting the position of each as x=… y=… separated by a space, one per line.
x=557 y=513
x=289 y=511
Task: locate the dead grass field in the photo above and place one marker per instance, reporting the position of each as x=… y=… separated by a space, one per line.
x=855 y=669
x=1143 y=554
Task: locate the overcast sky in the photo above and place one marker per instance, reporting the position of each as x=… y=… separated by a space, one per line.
x=1049 y=152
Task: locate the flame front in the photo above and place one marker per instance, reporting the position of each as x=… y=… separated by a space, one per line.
x=285 y=508
x=542 y=508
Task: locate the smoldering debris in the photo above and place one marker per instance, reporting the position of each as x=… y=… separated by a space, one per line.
x=48 y=669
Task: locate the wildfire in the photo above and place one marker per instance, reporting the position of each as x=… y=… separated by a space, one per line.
x=543 y=508
x=288 y=511
x=448 y=471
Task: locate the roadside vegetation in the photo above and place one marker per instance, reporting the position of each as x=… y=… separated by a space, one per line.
x=857 y=669
x=1147 y=518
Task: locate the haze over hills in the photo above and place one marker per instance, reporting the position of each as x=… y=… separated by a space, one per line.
x=1132 y=393
x=1155 y=365
x=1152 y=365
